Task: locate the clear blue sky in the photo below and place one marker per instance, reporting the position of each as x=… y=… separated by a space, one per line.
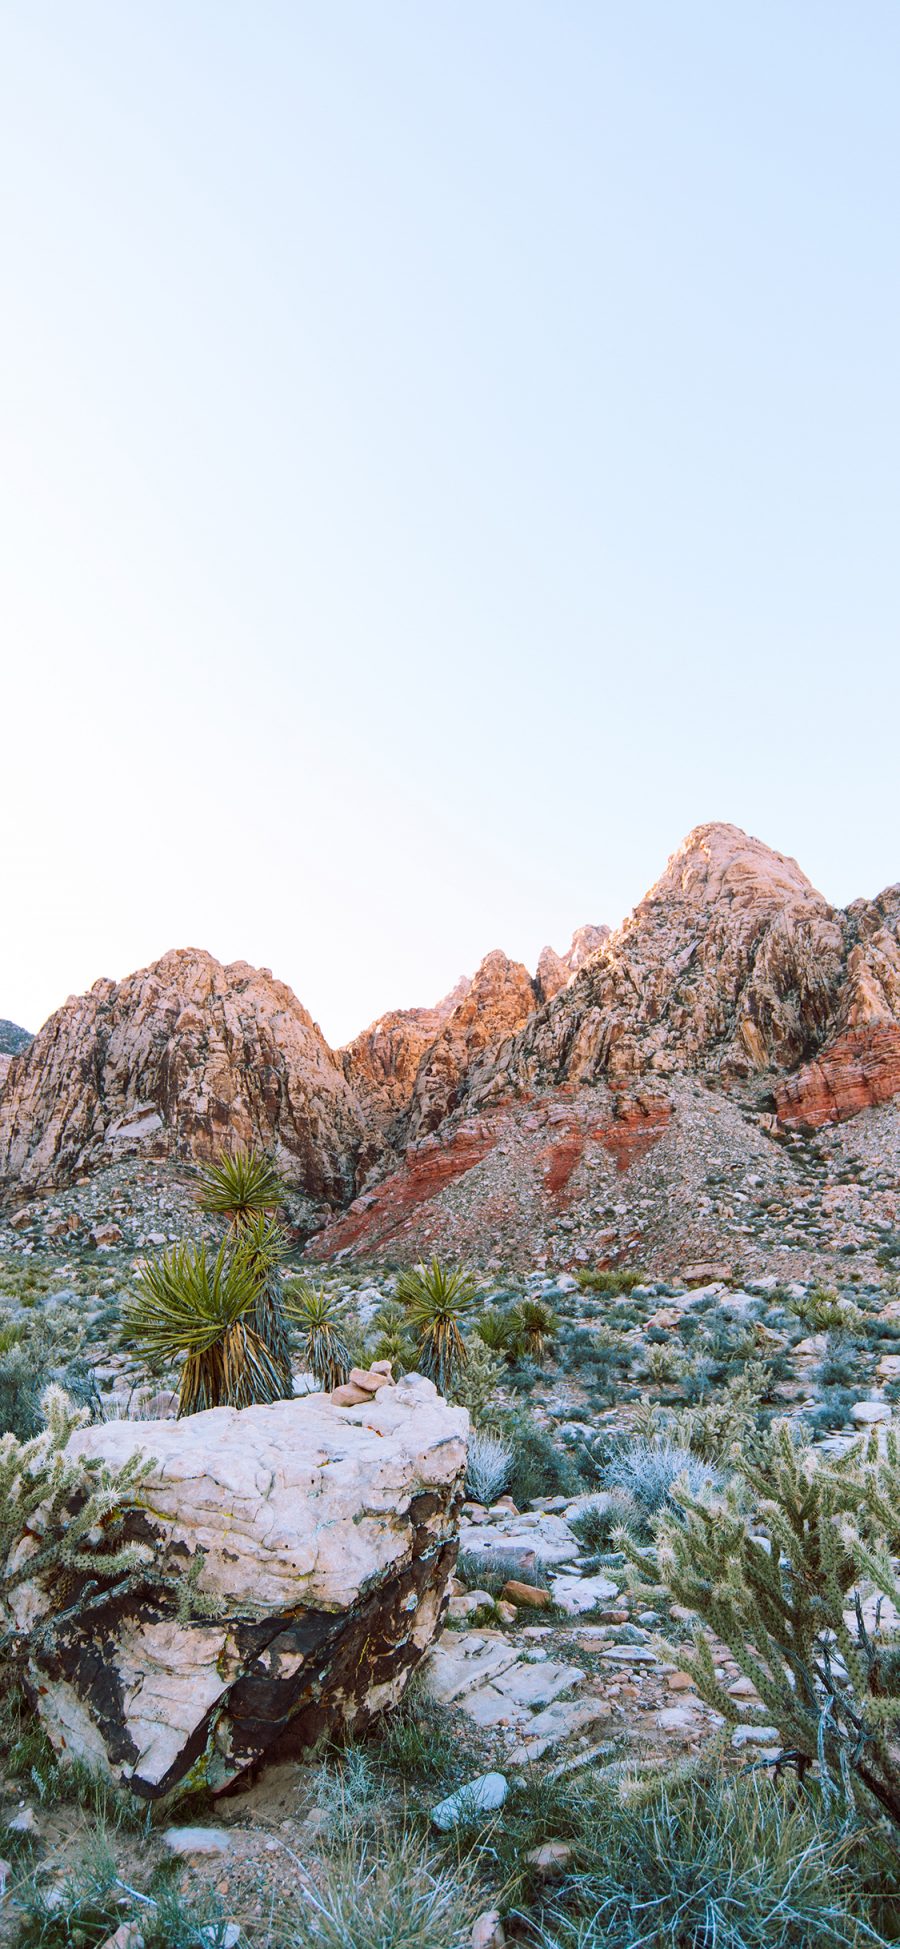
x=448 y=451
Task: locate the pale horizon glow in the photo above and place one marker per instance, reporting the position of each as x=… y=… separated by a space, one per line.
x=447 y=454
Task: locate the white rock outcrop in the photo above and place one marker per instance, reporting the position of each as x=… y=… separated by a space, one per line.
x=326 y=1537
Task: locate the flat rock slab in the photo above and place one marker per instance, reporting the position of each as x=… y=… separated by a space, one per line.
x=498 y=1685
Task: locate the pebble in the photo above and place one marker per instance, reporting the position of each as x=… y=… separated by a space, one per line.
x=755 y=1736
x=551 y=1858
x=196 y=1840
x=479 y=1796
x=487 y=1931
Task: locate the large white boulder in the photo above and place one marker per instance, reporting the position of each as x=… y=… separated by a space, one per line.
x=325 y=1538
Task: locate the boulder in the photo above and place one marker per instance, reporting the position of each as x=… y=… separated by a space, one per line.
x=325 y=1539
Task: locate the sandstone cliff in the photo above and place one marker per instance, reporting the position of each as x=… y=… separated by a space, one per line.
x=554 y=970
x=179 y=1058
x=382 y=1063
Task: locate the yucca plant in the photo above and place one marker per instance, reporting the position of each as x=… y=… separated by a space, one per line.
x=435 y=1298
x=393 y=1342
x=190 y=1305
x=244 y=1187
x=240 y=1184
x=532 y=1326
x=494 y=1329
x=323 y=1348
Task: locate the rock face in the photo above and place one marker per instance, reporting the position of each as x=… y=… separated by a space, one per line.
x=732 y=976
x=554 y=971
x=328 y=1536
x=381 y=1065
x=501 y=998
x=732 y=962
x=182 y=1057
x=859 y=1066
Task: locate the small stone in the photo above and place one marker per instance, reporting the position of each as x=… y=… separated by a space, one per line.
x=24 y=1822
x=182 y=1841
x=867 y=1414
x=109 y=1234
x=480 y=1796
x=487 y=1931
x=755 y=1736
x=348 y=1395
x=551 y=1858
x=680 y=1682
x=367 y=1379
x=742 y=1688
x=128 y=1936
x=507 y=1613
x=528 y=1594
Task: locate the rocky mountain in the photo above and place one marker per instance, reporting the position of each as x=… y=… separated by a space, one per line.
x=554 y=970
x=587 y=1108
x=175 y=1060
x=733 y=999
x=13 y=1039
x=382 y=1063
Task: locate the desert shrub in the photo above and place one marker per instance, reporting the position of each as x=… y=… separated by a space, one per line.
x=489 y=1569
x=621 y=1281
x=323 y=1348
x=715 y=1863
x=832 y=1409
x=488 y=1466
x=648 y=1470
x=392 y=1340
x=541 y=1466
x=495 y=1330
x=533 y=1325
x=595 y=1524
x=436 y=1298
x=841 y=1364
x=386 y=1890
x=475 y=1385
x=777 y=1585
x=201 y=1309
x=245 y=1188
x=824 y=1311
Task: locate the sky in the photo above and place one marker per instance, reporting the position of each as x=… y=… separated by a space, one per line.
x=446 y=453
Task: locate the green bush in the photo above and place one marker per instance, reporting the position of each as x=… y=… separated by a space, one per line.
x=621 y=1281
x=717 y=1863
x=774 y=1568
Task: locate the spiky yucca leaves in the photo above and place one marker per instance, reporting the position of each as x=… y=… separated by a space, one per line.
x=323 y=1348
x=84 y=1504
x=244 y=1187
x=532 y=1327
x=240 y=1184
x=189 y=1305
x=495 y=1330
x=435 y=1298
x=266 y=1247
x=779 y=1586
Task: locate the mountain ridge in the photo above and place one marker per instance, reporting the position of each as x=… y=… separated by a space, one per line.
x=732 y=975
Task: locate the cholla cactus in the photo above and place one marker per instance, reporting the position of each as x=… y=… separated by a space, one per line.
x=79 y=1509
x=783 y=1589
